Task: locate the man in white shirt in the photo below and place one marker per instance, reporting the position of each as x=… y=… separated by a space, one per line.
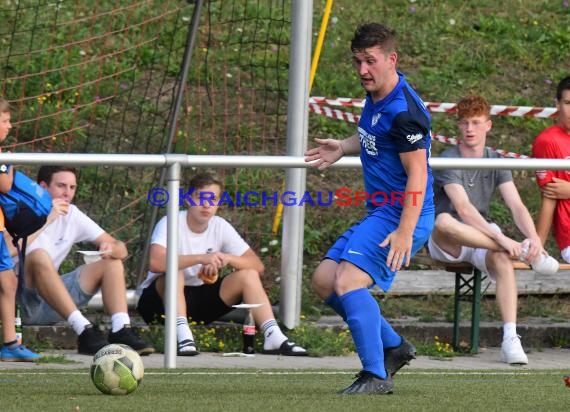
x=207 y=244
x=48 y=298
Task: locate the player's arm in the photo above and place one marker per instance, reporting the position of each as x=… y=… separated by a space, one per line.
x=58 y=207
x=521 y=216
x=111 y=247
x=157 y=259
x=6 y=178
x=556 y=189
x=545 y=217
x=249 y=260
x=469 y=215
x=401 y=240
x=330 y=151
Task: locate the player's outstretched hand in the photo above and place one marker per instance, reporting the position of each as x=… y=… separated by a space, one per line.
x=325 y=154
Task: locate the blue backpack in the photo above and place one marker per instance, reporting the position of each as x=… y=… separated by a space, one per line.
x=26 y=206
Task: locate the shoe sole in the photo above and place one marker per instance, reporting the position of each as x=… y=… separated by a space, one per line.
x=411 y=357
x=515 y=362
x=146 y=351
x=392 y=373
x=188 y=353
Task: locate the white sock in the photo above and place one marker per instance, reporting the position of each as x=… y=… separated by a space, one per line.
x=272 y=334
x=77 y=321
x=509 y=330
x=119 y=320
x=183 y=331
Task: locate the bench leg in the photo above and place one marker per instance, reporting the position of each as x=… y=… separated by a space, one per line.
x=475 y=310
x=467 y=287
x=457 y=311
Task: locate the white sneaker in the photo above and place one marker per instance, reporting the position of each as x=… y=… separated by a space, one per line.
x=544 y=264
x=512 y=352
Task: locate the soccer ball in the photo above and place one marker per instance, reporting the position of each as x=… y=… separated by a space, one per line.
x=116 y=369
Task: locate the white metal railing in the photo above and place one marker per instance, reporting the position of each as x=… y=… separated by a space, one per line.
x=174 y=162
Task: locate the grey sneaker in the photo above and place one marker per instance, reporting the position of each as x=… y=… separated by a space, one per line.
x=396 y=358
x=367 y=383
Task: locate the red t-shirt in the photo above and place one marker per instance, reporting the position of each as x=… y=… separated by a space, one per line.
x=554 y=143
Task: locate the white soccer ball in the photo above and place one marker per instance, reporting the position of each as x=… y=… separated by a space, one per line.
x=116 y=370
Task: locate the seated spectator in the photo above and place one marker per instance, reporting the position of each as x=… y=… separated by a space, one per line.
x=207 y=244
x=48 y=298
x=554 y=143
x=464 y=231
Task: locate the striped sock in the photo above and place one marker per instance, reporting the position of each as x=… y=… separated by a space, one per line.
x=273 y=335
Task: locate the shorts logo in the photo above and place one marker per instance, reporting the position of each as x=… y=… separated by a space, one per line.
x=354 y=252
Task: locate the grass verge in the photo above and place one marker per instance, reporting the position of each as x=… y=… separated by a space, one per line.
x=279 y=390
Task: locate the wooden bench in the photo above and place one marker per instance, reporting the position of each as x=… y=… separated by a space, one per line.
x=468 y=281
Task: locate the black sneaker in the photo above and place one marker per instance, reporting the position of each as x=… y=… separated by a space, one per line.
x=369 y=384
x=90 y=341
x=398 y=357
x=127 y=336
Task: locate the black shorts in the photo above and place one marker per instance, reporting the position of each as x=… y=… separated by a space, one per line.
x=203 y=303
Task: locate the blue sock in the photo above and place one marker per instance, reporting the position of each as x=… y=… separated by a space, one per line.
x=334 y=302
x=364 y=320
x=390 y=338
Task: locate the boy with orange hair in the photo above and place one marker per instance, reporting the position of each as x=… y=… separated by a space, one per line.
x=464 y=231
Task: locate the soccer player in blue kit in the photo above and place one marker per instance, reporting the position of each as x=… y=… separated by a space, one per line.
x=393 y=141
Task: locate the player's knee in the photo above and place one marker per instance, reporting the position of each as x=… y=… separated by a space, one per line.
x=444 y=222
x=38 y=263
x=113 y=266
x=322 y=283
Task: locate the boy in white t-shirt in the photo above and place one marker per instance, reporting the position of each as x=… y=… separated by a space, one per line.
x=208 y=243
x=48 y=298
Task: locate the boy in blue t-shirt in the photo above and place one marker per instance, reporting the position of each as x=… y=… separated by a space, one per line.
x=393 y=141
x=11 y=350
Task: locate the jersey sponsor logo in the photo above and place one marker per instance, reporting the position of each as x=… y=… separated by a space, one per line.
x=368 y=142
x=375 y=118
x=413 y=138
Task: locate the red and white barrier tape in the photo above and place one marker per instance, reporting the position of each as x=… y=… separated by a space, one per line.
x=353 y=118
x=496 y=110
x=453 y=141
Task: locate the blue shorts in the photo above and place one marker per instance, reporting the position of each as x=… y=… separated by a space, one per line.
x=6 y=262
x=359 y=245
x=36 y=311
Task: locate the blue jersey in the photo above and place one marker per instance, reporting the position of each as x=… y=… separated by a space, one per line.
x=396 y=124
